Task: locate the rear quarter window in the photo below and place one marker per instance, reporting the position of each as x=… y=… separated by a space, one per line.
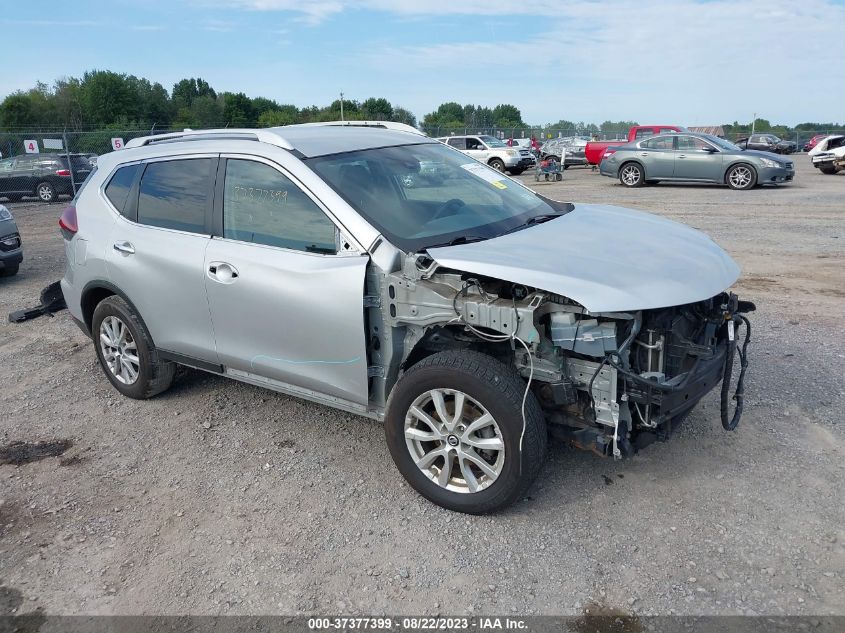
x=175 y=194
x=117 y=191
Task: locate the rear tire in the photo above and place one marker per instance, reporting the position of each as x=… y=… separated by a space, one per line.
x=126 y=352
x=45 y=192
x=631 y=175
x=9 y=271
x=741 y=177
x=483 y=388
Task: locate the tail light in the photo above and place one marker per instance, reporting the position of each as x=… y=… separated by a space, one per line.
x=608 y=153
x=63 y=172
x=67 y=222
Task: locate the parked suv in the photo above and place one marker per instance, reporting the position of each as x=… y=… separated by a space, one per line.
x=472 y=315
x=492 y=151
x=44 y=176
x=11 y=251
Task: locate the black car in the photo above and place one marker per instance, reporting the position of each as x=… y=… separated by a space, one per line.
x=767 y=143
x=44 y=176
x=11 y=250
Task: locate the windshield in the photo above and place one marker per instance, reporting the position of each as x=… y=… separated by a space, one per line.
x=492 y=141
x=720 y=142
x=420 y=196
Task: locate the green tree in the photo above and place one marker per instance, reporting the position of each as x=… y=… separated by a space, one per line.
x=377 y=109
x=108 y=97
x=17 y=110
x=506 y=115
x=186 y=90
x=401 y=115
x=237 y=109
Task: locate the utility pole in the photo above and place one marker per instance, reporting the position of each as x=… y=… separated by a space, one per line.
x=341 y=106
x=753 y=123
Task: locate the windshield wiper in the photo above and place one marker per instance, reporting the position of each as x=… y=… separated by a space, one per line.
x=461 y=239
x=537 y=219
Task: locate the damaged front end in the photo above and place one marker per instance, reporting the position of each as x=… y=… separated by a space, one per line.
x=609 y=382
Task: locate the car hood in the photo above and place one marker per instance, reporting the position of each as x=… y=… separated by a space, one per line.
x=606 y=258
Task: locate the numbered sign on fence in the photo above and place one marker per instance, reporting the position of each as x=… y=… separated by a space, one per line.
x=117 y=143
x=30 y=146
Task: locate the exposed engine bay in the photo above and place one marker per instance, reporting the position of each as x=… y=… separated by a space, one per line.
x=609 y=382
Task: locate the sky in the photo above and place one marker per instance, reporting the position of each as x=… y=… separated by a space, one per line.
x=689 y=62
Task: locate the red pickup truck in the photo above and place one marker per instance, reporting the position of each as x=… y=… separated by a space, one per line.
x=595 y=150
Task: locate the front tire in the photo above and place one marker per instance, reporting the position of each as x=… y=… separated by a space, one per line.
x=126 y=352
x=741 y=177
x=497 y=164
x=453 y=426
x=631 y=175
x=45 y=192
x=830 y=170
x=9 y=271
x=516 y=172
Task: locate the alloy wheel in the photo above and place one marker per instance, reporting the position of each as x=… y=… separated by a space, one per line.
x=45 y=193
x=631 y=175
x=740 y=177
x=119 y=350
x=454 y=440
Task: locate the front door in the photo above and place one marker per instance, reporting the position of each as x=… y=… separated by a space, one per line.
x=696 y=159
x=477 y=149
x=284 y=303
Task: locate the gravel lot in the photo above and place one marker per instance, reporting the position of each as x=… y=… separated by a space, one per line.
x=218 y=497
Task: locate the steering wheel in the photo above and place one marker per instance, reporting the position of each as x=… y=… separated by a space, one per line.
x=454 y=204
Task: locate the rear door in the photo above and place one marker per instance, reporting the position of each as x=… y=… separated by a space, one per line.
x=658 y=156
x=286 y=303
x=693 y=161
x=157 y=250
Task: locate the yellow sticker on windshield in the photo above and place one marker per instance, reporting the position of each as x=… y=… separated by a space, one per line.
x=499 y=185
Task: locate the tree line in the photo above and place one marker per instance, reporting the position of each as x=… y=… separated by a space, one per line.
x=109 y=100
x=106 y=99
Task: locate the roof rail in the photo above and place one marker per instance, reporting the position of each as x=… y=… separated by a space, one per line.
x=388 y=125
x=261 y=135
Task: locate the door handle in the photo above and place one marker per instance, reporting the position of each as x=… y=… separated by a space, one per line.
x=124 y=247
x=643 y=153
x=682 y=156
x=222 y=272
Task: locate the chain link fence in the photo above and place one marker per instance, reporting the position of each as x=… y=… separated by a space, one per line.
x=61 y=158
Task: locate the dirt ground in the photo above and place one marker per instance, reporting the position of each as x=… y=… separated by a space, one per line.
x=222 y=498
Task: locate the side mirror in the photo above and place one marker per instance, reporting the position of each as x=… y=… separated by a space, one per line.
x=709 y=149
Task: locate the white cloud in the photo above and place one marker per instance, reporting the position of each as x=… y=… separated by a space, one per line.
x=652 y=59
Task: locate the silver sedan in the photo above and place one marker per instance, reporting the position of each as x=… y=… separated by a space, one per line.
x=693 y=158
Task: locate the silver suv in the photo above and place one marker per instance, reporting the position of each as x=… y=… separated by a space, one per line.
x=492 y=151
x=471 y=315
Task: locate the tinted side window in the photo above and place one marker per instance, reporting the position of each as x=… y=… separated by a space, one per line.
x=644 y=133
x=118 y=188
x=262 y=206
x=458 y=143
x=174 y=194
x=660 y=142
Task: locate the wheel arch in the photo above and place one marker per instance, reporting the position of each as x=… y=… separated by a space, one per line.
x=739 y=161
x=628 y=161
x=94 y=292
